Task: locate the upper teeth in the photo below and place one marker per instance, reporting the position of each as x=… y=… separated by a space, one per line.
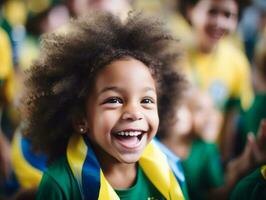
x=129 y=133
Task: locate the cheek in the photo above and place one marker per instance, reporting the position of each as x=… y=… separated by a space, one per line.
x=208 y=23
x=100 y=123
x=199 y=19
x=154 y=120
x=198 y=121
x=106 y=121
x=232 y=25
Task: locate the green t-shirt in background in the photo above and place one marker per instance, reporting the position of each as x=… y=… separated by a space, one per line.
x=250 y=120
x=252 y=187
x=202 y=169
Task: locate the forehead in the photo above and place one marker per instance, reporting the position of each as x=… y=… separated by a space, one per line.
x=125 y=72
x=199 y=99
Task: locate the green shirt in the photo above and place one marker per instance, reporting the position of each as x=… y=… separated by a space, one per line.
x=202 y=169
x=59 y=183
x=252 y=187
x=143 y=189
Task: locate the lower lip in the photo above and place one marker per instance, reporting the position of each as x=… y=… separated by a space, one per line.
x=216 y=36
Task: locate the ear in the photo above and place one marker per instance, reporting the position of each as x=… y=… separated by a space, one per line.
x=80 y=125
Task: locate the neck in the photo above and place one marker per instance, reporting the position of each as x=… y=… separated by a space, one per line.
x=206 y=48
x=121 y=176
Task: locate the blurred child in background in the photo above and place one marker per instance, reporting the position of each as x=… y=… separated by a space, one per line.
x=217 y=65
x=119 y=8
x=196 y=117
x=7 y=184
x=253 y=186
x=250 y=120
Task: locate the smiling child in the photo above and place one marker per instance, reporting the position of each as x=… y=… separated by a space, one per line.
x=92 y=108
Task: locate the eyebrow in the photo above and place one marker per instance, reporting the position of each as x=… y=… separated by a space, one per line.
x=113 y=88
x=117 y=89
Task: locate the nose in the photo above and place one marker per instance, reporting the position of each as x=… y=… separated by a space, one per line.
x=222 y=22
x=132 y=112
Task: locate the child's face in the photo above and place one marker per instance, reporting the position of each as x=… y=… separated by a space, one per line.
x=206 y=119
x=183 y=123
x=122 y=113
x=212 y=19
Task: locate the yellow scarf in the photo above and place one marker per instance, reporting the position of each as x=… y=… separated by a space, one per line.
x=91 y=180
x=263 y=171
x=28 y=166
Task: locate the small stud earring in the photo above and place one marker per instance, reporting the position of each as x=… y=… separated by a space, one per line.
x=81 y=130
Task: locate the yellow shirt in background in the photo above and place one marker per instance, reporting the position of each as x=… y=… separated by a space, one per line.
x=225 y=73
x=6 y=66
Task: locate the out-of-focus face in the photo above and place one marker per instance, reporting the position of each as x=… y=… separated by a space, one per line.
x=116 y=7
x=212 y=19
x=206 y=118
x=183 y=125
x=56 y=18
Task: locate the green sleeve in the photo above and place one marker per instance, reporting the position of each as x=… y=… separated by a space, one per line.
x=49 y=189
x=59 y=183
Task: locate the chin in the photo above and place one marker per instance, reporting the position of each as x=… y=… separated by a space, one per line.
x=129 y=159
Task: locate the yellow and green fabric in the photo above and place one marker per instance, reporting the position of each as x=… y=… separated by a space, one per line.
x=224 y=73
x=252 y=187
x=6 y=67
x=27 y=165
x=79 y=175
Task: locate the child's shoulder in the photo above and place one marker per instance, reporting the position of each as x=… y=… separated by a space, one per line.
x=251 y=187
x=58 y=168
x=58 y=180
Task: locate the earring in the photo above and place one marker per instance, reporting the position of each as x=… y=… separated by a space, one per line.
x=81 y=130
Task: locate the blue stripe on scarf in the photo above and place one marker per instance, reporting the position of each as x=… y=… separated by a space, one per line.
x=36 y=160
x=90 y=170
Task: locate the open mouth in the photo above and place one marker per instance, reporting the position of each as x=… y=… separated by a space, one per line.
x=216 y=34
x=126 y=134
x=129 y=139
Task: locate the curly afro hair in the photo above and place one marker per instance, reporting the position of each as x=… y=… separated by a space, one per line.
x=60 y=81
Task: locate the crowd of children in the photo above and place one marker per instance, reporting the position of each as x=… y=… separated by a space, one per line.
x=131 y=99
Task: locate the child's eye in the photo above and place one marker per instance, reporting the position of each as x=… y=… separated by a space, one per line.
x=113 y=100
x=213 y=11
x=147 y=101
x=229 y=14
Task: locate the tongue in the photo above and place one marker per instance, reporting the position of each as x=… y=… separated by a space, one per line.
x=129 y=142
